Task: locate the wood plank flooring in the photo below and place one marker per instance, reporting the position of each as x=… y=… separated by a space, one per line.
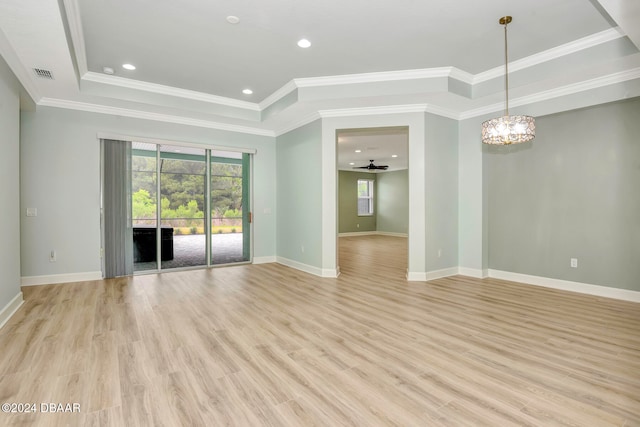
x=266 y=345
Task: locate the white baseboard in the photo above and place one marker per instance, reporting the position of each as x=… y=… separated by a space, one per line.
x=358 y=233
x=264 y=259
x=330 y=272
x=416 y=276
x=10 y=309
x=473 y=272
x=300 y=266
x=565 y=285
x=389 y=233
x=61 y=278
x=422 y=276
x=445 y=272
x=372 y=233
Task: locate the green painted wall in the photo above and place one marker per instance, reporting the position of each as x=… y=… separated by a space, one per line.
x=441 y=164
x=9 y=185
x=393 y=202
x=348 y=219
x=571 y=193
x=60 y=175
x=299 y=195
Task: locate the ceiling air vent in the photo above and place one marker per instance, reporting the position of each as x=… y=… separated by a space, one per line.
x=43 y=74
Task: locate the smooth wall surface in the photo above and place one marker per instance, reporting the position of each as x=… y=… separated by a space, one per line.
x=393 y=202
x=348 y=219
x=417 y=235
x=299 y=198
x=472 y=234
x=60 y=175
x=9 y=185
x=571 y=193
x=441 y=139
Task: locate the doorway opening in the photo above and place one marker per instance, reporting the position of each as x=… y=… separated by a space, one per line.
x=373 y=198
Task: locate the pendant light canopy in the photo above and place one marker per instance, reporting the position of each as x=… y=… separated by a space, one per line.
x=508 y=129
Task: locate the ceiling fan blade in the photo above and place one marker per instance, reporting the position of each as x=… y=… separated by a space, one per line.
x=371 y=166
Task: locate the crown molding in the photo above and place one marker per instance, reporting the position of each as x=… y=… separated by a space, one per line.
x=441 y=111
x=72 y=11
x=368 y=111
x=461 y=75
x=551 y=54
x=390 y=109
x=384 y=76
x=126 y=112
x=277 y=95
x=371 y=111
x=298 y=123
x=570 y=89
x=585 y=85
x=168 y=90
x=15 y=64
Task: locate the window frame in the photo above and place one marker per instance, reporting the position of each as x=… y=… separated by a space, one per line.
x=370 y=197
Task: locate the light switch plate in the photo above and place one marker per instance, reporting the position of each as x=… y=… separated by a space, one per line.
x=32 y=212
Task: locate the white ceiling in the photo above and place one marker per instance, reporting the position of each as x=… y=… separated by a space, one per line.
x=377 y=144
x=188 y=44
x=366 y=57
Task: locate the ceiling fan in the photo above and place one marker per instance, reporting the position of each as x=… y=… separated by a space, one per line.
x=371 y=166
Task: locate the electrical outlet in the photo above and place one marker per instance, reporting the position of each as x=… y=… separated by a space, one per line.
x=302 y=248
x=357 y=225
x=52 y=256
x=439 y=253
x=574 y=262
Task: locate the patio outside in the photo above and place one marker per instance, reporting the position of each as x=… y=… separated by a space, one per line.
x=183 y=198
x=189 y=251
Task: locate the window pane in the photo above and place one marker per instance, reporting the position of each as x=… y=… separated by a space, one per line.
x=144 y=211
x=182 y=206
x=363 y=188
x=228 y=235
x=363 y=206
x=365 y=197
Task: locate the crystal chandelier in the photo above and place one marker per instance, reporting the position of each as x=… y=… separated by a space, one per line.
x=508 y=129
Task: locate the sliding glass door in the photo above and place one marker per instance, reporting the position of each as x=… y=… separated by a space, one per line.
x=144 y=193
x=230 y=215
x=182 y=202
x=170 y=185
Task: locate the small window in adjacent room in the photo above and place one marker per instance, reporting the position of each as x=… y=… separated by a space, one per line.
x=365 y=197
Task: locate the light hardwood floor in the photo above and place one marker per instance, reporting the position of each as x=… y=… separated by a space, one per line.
x=269 y=345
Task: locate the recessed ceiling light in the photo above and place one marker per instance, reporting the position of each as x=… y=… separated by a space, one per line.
x=247 y=91
x=394 y=155
x=129 y=67
x=358 y=151
x=233 y=19
x=351 y=163
x=304 y=43
x=108 y=70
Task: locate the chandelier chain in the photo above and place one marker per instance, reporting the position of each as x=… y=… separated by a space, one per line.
x=506 y=70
